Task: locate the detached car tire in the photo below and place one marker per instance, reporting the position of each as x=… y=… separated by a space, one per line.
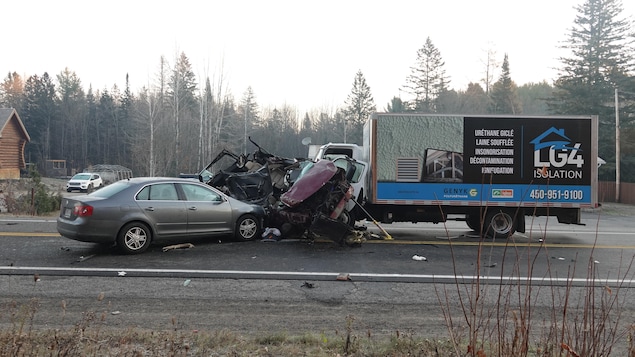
x=247 y=228
x=134 y=238
x=347 y=217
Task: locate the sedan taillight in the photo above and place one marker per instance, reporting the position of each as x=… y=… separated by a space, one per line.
x=82 y=210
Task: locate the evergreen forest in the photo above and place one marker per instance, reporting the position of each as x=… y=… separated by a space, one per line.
x=178 y=125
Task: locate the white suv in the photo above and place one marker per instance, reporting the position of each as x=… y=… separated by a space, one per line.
x=84 y=182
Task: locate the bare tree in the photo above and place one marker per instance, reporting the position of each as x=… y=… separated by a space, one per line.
x=491 y=65
x=249 y=113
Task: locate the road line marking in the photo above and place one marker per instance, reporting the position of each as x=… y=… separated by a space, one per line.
x=501 y=244
x=303 y=275
x=29 y=234
x=534 y=231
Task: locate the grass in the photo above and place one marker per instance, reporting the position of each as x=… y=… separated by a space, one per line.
x=90 y=337
x=504 y=320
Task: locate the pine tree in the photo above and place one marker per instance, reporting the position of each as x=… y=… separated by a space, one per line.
x=359 y=105
x=533 y=97
x=428 y=79
x=181 y=92
x=474 y=100
x=396 y=105
x=12 y=92
x=125 y=114
x=504 y=96
x=601 y=60
x=73 y=108
x=40 y=113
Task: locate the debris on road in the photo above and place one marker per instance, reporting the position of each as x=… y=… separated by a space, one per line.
x=419 y=258
x=307 y=285
x=178 y=246
x=343 y=277
x=271 y=235
x=83 y=258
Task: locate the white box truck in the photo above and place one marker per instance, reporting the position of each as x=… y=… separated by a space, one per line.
x=489 y=170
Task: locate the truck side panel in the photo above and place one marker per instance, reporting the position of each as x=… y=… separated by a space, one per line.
x=482 y=160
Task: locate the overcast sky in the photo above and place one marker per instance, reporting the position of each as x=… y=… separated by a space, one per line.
x=302 y=53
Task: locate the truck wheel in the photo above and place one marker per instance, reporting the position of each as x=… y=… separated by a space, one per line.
x=499 y=224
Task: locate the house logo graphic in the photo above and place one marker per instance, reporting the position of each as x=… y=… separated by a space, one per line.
x=553 y=152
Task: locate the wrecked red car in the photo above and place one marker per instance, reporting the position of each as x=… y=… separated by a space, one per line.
x=311 y=206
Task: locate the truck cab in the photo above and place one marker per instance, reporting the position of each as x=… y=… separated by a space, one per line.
x=349 y=158
x=331 y=151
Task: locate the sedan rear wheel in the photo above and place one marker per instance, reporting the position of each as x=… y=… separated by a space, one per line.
x=247 y=227
x=134 y=238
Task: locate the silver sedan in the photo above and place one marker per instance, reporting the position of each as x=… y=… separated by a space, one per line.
x=135 y=212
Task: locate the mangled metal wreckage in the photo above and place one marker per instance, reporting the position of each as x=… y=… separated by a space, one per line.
x=302 y=198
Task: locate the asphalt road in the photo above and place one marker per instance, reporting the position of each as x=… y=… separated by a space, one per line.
x=548 y=253
x=297 y=287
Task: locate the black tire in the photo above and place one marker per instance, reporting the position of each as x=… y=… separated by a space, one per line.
x=68 y=190
x=134 y=238
x=473 y=221
x=247 y=228
x=347 y=217
x=499 y=224
x=89 y=189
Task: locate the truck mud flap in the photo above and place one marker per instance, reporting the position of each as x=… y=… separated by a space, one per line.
x=569 y=216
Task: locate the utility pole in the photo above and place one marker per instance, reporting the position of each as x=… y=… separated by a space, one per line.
x=617 y=148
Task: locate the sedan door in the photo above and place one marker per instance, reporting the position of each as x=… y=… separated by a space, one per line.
x=208 y=212
x=160 y=203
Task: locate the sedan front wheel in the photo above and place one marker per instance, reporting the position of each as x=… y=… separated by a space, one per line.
x=247 y=227
x=134 y=238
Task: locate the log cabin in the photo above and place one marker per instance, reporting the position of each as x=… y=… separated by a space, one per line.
x=13 y=139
